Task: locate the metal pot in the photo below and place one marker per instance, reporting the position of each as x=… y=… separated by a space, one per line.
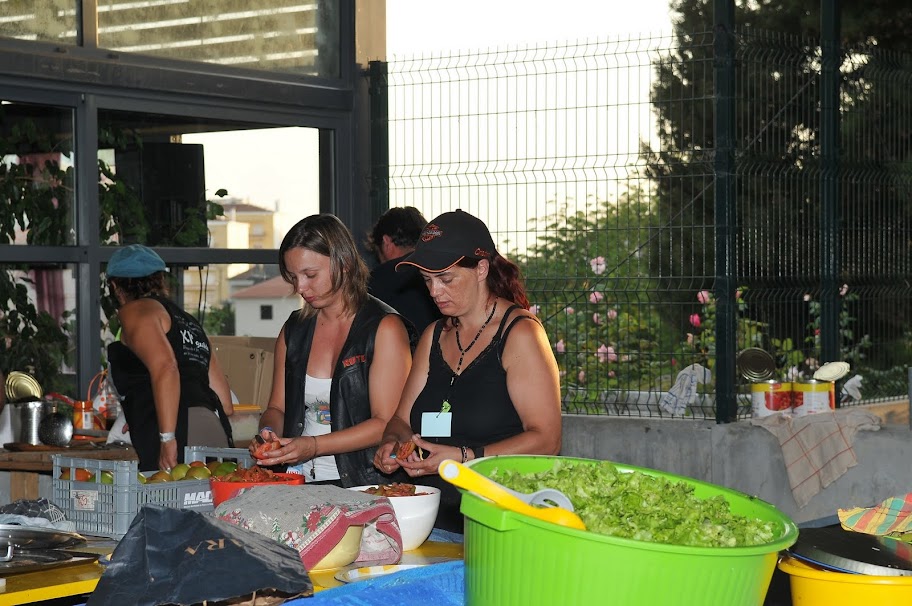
x=25 y=416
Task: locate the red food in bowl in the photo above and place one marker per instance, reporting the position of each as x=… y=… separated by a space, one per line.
x=224 y=489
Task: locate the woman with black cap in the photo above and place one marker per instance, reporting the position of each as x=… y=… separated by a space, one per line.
x=484 y=380
x=173 y=391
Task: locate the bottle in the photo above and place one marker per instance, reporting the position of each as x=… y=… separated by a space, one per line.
x=84 y=417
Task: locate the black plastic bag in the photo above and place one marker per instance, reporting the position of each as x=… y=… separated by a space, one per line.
x=177 y=556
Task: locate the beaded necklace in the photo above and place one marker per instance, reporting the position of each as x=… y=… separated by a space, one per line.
x=445 y=407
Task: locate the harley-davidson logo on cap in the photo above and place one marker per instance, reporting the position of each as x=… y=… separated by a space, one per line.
x=430 y=232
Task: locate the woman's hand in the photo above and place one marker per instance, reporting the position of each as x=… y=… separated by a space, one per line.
x=167 y=455
x=434 y=454
x=382 y=459
x=291 y=452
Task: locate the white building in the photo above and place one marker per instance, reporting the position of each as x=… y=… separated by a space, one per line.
x=261 y=310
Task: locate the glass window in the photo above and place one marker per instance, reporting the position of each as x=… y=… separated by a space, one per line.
x=254 y=301
x=37 y=175
x=274 y=35
x=36 y=323
x=39 y=20
x=181 y=181
x=265 y=312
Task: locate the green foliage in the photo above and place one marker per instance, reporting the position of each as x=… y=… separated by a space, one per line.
x=584 y=277
x=218 y=320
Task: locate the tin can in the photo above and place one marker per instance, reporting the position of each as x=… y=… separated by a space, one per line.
x=813 y=396
x=770 y=397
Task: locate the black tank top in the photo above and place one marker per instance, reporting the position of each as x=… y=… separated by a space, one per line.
x=134 y=384
x=483 y=412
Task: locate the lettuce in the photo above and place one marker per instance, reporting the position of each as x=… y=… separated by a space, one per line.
x=639 y=506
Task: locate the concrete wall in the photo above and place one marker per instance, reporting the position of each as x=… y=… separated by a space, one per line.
x=746 y=458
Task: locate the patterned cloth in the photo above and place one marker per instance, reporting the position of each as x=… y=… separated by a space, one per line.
x=892 y=515
x=312 y=519
x=817 y=448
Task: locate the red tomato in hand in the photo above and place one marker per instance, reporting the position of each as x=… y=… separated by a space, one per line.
x=262 y=450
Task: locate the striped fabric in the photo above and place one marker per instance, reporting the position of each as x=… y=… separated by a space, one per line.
x=892 y=515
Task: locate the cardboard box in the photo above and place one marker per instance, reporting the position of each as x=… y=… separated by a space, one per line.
x=248 y=365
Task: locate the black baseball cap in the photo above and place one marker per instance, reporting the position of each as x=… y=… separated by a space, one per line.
x=447 y=240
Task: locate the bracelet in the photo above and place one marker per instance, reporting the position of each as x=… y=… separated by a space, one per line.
x=315 y=447
x=267 y=428
x=166 y=436
x=465 y=453
x=478 y=451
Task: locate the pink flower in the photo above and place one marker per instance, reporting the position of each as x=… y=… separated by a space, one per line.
x=562 y=374
x=598 y=265
x=737 y=295
x=569 y=311
x=690 y=338
x=807 y=297
x=612 y=314
x=596 y=319
x=695 y=320
x=560 y=347
x=674 y=362
x=625 y=358
x=606 y=354
x=611 y=374
x=535 y=309
x=595 y=297
x=843 y=290
x=703 y=297
x=581 y=377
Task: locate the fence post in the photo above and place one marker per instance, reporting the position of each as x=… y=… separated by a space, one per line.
x=829 y=180
x=379 y=139
x=725 y=212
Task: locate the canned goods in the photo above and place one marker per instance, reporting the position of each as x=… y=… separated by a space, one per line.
x=770 y=397
x=812 y=396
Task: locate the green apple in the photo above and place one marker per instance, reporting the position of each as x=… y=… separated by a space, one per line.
x=224 y=469
x=198 y=473
x=179 y=471
x=107 y=477
x=160 y=476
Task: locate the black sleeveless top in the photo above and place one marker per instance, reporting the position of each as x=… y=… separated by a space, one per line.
x=483 y=412
x=192 y=352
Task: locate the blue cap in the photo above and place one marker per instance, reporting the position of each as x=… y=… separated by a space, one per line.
x=134 y=261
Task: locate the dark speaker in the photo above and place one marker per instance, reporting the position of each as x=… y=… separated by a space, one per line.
x=171 y=182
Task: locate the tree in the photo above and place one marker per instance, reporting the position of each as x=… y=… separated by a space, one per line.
x=778 y=164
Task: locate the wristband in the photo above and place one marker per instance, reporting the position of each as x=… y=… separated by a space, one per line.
x=465 y=453
x=268 y=428
x=166 y=436
x=479 y=451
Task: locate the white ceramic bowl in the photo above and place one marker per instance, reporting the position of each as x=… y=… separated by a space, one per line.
x=416 y=514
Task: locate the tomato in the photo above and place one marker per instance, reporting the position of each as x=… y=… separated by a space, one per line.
x=80 y=475
x=262 y=450
x=405 y=449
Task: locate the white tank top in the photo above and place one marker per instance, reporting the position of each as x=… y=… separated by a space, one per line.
x=316 y=423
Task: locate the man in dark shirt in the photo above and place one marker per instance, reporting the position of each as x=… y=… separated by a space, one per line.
x=393 y=237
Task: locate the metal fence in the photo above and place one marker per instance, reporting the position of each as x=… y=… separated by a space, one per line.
x=594 y=165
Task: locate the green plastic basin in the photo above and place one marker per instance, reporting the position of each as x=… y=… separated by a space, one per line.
x=514 y=559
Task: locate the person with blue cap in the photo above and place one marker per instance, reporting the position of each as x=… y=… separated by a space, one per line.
x=173 y=391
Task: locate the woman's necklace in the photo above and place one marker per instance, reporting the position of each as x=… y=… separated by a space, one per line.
x=445 y=407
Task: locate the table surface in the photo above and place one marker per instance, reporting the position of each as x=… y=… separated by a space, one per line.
x=40 y=460
x=81 y=579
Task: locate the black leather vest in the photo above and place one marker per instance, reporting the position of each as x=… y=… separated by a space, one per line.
x=349 y=403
